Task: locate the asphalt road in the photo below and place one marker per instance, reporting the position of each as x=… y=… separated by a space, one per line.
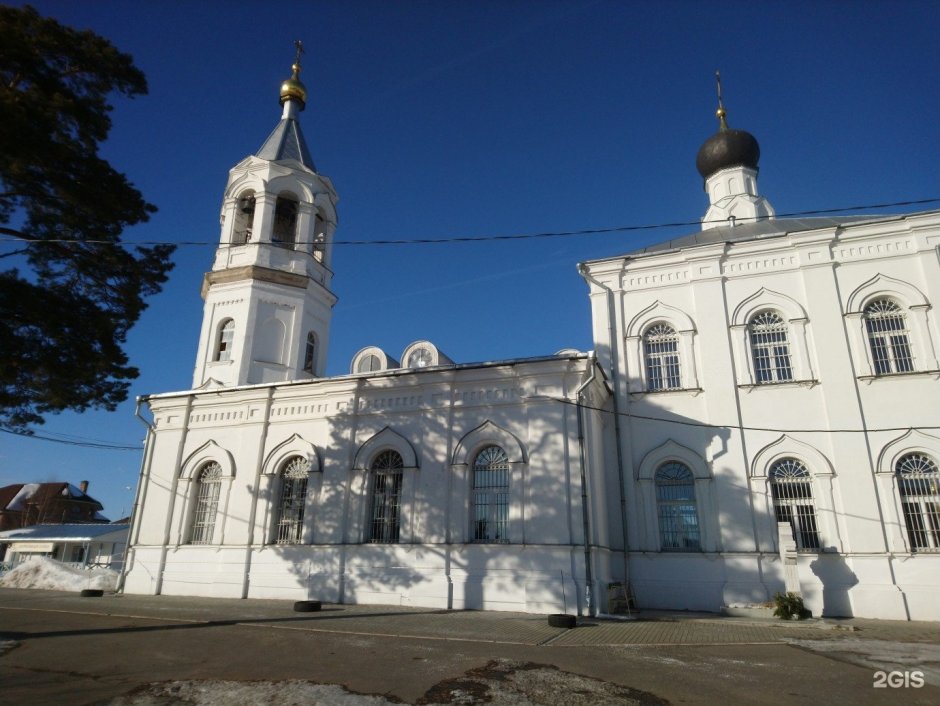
x=60 y=649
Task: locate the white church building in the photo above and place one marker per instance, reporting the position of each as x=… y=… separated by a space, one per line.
x=761 y=412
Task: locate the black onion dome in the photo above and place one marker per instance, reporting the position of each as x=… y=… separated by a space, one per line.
x=727 y=148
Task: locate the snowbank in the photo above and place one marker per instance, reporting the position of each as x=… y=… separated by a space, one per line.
x=43 y=572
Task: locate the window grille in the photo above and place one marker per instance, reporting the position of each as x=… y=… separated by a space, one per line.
x=491 y=495
x=888 y=337
x=661 y=350
x=226 y=338
x=386 y=497
x=208 y=488
x=770 y=348
x=290 y=522
x=919 y=488
x=310 y=353
x=675 y=500
x=792 y=492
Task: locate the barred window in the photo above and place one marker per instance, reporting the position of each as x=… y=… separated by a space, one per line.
x=385 y=508
x=770 y=348
x=223 y=348
x=792 y=492
x=290 y=516
x=919 y=488
x=491 y=495
x=675 y=501
x=661 y=351
x=208 y=488
x=888 y=337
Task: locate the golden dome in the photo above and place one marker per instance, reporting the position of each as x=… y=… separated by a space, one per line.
x=293 y=88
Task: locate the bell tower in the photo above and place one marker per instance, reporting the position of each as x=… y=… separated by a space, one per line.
x=268 y=301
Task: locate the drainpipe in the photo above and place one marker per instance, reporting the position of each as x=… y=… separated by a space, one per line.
x=611 y=340
x=585 y=512
x=142 y=478
x=254 y=493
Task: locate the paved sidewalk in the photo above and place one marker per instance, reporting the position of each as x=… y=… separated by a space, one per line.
x=649 y=627
x=57 y=647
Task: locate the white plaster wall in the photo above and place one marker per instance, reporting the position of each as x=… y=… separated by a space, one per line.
x=866 y=568
x=247 y=430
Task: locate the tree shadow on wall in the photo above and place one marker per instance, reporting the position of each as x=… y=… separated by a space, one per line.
x=433 y=563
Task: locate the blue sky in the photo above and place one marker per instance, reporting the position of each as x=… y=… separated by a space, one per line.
x=442 y=119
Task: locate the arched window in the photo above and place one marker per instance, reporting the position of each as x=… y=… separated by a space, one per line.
x=310 y=353
x=385 y=510
x=919 y=488
x=290 y=509
x=675 y=502
x=888 y=337
x=661 y=351
x=224 y=340
x=319 y=238
x=770 y=348
x=792 y=492
x=369 y=363
x=244 y=218
x=285 y=220
x=208 y=488
x=491 y=495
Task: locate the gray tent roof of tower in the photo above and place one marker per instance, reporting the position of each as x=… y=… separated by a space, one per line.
x=770 y=228
x=286 y=142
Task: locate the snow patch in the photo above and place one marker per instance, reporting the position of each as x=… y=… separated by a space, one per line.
x=225 y=693
x=49 y=574
x=18 y=503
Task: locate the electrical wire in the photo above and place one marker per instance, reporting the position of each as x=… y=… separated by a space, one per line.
x=86 y=444
x=738 y=427
x=683 y=422
x=491 y=238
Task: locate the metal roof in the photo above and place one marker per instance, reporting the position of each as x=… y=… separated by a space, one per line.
x=66 y=533
x=770 y=228
x=287 y=142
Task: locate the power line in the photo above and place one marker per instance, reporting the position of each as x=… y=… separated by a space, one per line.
x=683 y=422
x=490 y=238
x=87 y=444
x=738 y=427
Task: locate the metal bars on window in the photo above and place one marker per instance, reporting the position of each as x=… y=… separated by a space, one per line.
x=290 y=522
x=386 y=497
x=208 y=489
x=675 y=501
x=770 y=348
x=491 y=495
x=661 y=352
x=792 y=492
x=888 y=337
x=919 y=488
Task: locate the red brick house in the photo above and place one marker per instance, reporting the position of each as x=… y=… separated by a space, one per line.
x=25 y=504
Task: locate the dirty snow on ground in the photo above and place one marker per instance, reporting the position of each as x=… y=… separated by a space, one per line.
x=501 y=682
x=882 y=655
x=43 y=572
